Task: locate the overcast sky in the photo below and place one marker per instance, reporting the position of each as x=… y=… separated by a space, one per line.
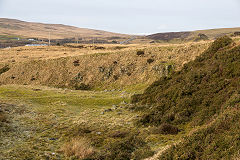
x=127 y=16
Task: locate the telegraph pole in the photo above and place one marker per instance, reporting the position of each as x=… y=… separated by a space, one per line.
x=49 y=39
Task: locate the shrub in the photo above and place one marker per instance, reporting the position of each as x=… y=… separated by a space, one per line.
x=149 y=61
x=201 y=37
x=119 y=134
x=165 y=129
x=4 y=69
x=3 y=117
x=236 y=33
x=78 y=147
x=74 y=84
x=129 y=147
x=139 y=53
x=219 y=43
x=76 y=63
x=217 y=140
x=100 y=47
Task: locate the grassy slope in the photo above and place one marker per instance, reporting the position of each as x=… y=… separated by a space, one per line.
x=111 y=66
x=214 y=33
x=195 y=96
x=37 y=116
x=182 y=37
x=217 y=140
x=40 y=123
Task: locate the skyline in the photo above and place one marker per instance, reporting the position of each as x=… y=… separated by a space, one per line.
x=128 y=17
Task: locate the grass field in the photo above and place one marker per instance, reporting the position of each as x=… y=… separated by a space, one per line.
x=42 y=119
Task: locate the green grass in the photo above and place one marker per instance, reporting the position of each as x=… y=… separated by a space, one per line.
x=56 y=113
x=9 y=37
x=65 y=114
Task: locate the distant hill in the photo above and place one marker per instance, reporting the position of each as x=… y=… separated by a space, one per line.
x=194 y=35
x=58 y=31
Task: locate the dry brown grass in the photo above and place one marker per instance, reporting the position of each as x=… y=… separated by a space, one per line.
x=58 y=31
x=78 y=147
x=3 y=118
x=213 y=33
x=26 y=53
x=112 y=65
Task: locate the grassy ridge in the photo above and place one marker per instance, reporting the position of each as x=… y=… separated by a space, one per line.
x=196 y=95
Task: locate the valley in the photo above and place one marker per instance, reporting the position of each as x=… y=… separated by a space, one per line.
x=162 y=100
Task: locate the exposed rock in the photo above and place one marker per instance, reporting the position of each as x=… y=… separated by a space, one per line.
x=79 y=77
x=101 y=69
x=139 y=53
x=76 y=63
x=107 y=110
x=150 y=60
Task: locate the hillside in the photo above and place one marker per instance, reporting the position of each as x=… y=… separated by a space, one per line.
x=194 y=35
x=96 y=66
x=19 y=28
x=74 y=101
x=204 y=96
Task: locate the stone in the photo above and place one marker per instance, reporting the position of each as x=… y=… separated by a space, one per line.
x=107 y=110
x=76 y=63
x=114 y=107
x=124 y=102
x=101 y=69
x=119 y=113
x=53 y=139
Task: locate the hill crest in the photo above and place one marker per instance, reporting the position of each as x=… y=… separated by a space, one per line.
x=58 y=31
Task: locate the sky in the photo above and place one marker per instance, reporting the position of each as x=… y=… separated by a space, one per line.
x=128 y=16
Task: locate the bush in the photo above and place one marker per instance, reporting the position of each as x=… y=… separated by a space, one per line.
x=74 y=84
x=129 y=147
x=4 y=69
x=82 y=86
x=3 y=117
x=165 y=129
x=216 y=140
x=119 y=134
x=149 y=61
x=78 y=147
x=139 y=53
x=219 y=43
x=76 y=63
